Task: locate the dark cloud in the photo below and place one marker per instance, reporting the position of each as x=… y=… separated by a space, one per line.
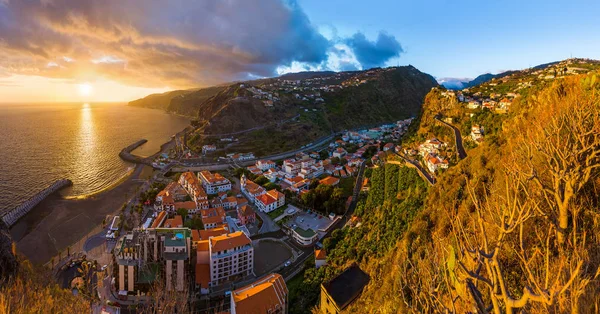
x=374 y=53
x=179 y=43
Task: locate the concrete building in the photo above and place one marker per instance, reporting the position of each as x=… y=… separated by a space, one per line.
x=141 y=254
x=229 y=256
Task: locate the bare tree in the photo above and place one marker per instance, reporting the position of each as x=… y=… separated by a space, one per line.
x=560 y=148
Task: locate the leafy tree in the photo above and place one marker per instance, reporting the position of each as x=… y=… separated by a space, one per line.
x=182 y=212
x=194 y=223
x=261 y=180
x=272 y=186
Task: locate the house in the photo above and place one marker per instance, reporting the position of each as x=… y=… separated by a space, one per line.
x=300 y=186
x=212 y=217
x=330 y=181
x=255 y=170
x=477 y=133
x=265 y=165
x=339 y=292
x=291 y=166
x=388 y=146
x=434 y=162
x=266 y=295
x=230 y=202
x=505 y=103
x=246 y=215
x=175 y=222
x=431 y=146
x=473 y=104
x=190 y=206
x=214 y=183
x=190 y=184
x=270 y=201
x=251 y=189
x=208 y=148
x=339 y=152
x=320 y=258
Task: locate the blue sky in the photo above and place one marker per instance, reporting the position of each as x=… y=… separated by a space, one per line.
x=468 y=38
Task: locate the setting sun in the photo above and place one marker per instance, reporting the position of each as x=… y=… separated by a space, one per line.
x=85 y=89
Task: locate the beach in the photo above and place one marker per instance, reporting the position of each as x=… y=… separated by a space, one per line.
x=58 y=222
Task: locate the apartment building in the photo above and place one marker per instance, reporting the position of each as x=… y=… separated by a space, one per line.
x=214 y=183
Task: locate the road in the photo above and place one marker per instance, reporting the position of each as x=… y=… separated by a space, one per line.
x=462 y=154
x=187 y=166
x=424 y=174
x=278 y=123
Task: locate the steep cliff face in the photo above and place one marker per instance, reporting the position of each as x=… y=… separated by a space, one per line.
x=8 y=261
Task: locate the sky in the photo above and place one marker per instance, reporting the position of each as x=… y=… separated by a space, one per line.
x=114 y=50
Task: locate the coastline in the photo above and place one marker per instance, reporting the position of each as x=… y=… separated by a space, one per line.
x=58 y=222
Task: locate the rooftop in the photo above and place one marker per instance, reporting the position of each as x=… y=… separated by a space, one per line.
x=229 y=241
x=266 y=295
x=306 y=233
x=347 y=286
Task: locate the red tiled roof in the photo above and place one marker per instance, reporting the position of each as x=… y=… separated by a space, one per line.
x=320 y=254
x=266 y=199
x=175 y=222
x=266 y=295
x=159 y=219
x=329 y=181
x=229 y=241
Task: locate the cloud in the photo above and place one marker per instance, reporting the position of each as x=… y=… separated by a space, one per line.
x=374 y=53
x=180 y=43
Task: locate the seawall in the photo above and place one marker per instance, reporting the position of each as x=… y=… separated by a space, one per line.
x=11 y=217
x=126 y=154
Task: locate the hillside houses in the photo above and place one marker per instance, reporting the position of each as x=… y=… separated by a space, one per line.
x=477 y=133
x=435 y=162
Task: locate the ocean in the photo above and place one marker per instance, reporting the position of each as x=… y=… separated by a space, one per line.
x=41 y=143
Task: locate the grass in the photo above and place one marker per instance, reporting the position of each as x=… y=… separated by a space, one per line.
x=278 y=212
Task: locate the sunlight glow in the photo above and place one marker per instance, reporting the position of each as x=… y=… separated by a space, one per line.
x=85 y=89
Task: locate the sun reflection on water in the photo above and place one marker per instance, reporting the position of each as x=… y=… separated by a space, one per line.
x=86 y=159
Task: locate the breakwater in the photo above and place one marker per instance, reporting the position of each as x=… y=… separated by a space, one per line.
x=126 y=154
x=11 y=217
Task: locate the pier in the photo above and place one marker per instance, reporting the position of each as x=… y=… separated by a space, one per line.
x=126 y=154
x=12 y=216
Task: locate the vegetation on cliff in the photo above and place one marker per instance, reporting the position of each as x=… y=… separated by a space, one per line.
x=512 y=227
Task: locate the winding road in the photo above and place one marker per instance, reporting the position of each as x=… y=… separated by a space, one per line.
x=415 y=164
x=462 y=154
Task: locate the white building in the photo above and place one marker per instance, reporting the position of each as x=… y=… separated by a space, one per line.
x=270 y=201
x=251 y=189
x=265 y=165
x=434 y=162
x=230 y=255
x=214 y=183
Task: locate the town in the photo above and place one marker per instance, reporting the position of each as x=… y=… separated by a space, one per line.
x=234 y=236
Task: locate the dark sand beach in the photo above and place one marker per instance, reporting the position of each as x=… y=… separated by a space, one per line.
x=56 y=222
